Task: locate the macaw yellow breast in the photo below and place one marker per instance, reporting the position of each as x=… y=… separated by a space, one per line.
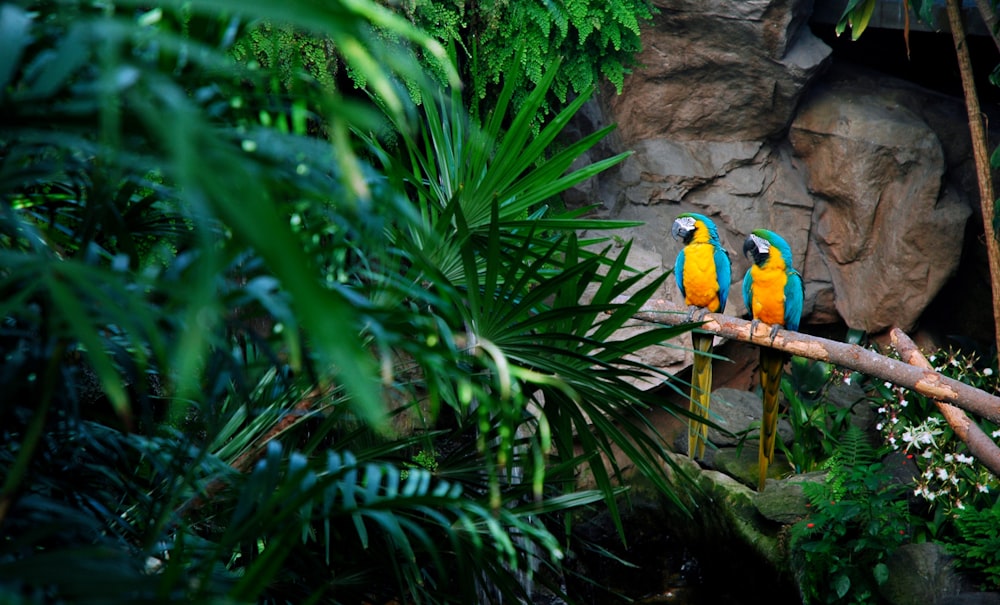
x=701 y=283
x=768 y=292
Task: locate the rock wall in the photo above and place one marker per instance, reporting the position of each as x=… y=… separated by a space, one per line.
x=739 y=112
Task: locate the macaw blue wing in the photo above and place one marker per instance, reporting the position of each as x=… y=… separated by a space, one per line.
x=748 y=292
x=793 y=301
x=679 y=271
x=723 y=274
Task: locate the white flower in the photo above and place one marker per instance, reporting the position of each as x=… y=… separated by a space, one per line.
x=942 y=473
x=904 y=402
x=949 y=458
x=962 y=458
x=959 y=505
x=847 y=380
x=987 y=371
x=878 y=427
x=882 y=410
x=983 y=488
x=927 y=454
x=887 y=384
x=995 y=434
x=932 y=358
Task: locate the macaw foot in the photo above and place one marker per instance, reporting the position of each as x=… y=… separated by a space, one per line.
x=690 y=315
x=756 y=322
x=696 y=314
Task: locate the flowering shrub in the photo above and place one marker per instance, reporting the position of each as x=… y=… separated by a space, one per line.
x=950 y=478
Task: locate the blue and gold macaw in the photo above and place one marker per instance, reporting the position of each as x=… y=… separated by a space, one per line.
x=703 y=274
x=772 y=291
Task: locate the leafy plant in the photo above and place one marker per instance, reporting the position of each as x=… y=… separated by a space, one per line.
x=585 y=41
x=817 y=422
x=978 y=542
x=596 y=40
x=225 y=332
x=539 y=305
x=858 y=517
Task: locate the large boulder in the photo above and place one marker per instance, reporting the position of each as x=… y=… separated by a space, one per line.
x=888 y=229
x=719 y=70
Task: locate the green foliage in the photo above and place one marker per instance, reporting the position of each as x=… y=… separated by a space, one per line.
x=857 y=518
x=529 y=305
x=289 y=54
x=979 y=542
x=858 y=13
x=226 y=334
x=585 y=41
x=817 y=422
x=597 y=38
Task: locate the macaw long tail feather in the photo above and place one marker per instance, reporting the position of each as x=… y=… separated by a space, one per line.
x=701 y=392
x=771 y=365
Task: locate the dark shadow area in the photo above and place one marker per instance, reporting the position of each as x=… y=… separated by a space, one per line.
x=932 y=62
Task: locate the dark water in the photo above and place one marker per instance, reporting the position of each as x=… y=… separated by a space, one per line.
x=657 y=566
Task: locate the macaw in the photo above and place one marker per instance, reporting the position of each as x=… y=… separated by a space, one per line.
x=703 y=274
x=772 y=291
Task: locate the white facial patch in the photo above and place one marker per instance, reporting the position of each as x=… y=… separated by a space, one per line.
x=686 y=223
x=763 y=246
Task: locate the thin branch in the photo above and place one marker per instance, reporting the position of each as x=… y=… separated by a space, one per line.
x=980 y=153
x=246 y=461
x=980 y=445
x=926 y=382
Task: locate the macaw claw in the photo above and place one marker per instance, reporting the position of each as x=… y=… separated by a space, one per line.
x=756 y=322
x=696 y=314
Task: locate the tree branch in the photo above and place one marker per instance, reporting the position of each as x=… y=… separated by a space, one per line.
x=924 y=381
x=246 y=460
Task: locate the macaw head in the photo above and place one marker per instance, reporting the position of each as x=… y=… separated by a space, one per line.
x=759 y=244
x=690 y=226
